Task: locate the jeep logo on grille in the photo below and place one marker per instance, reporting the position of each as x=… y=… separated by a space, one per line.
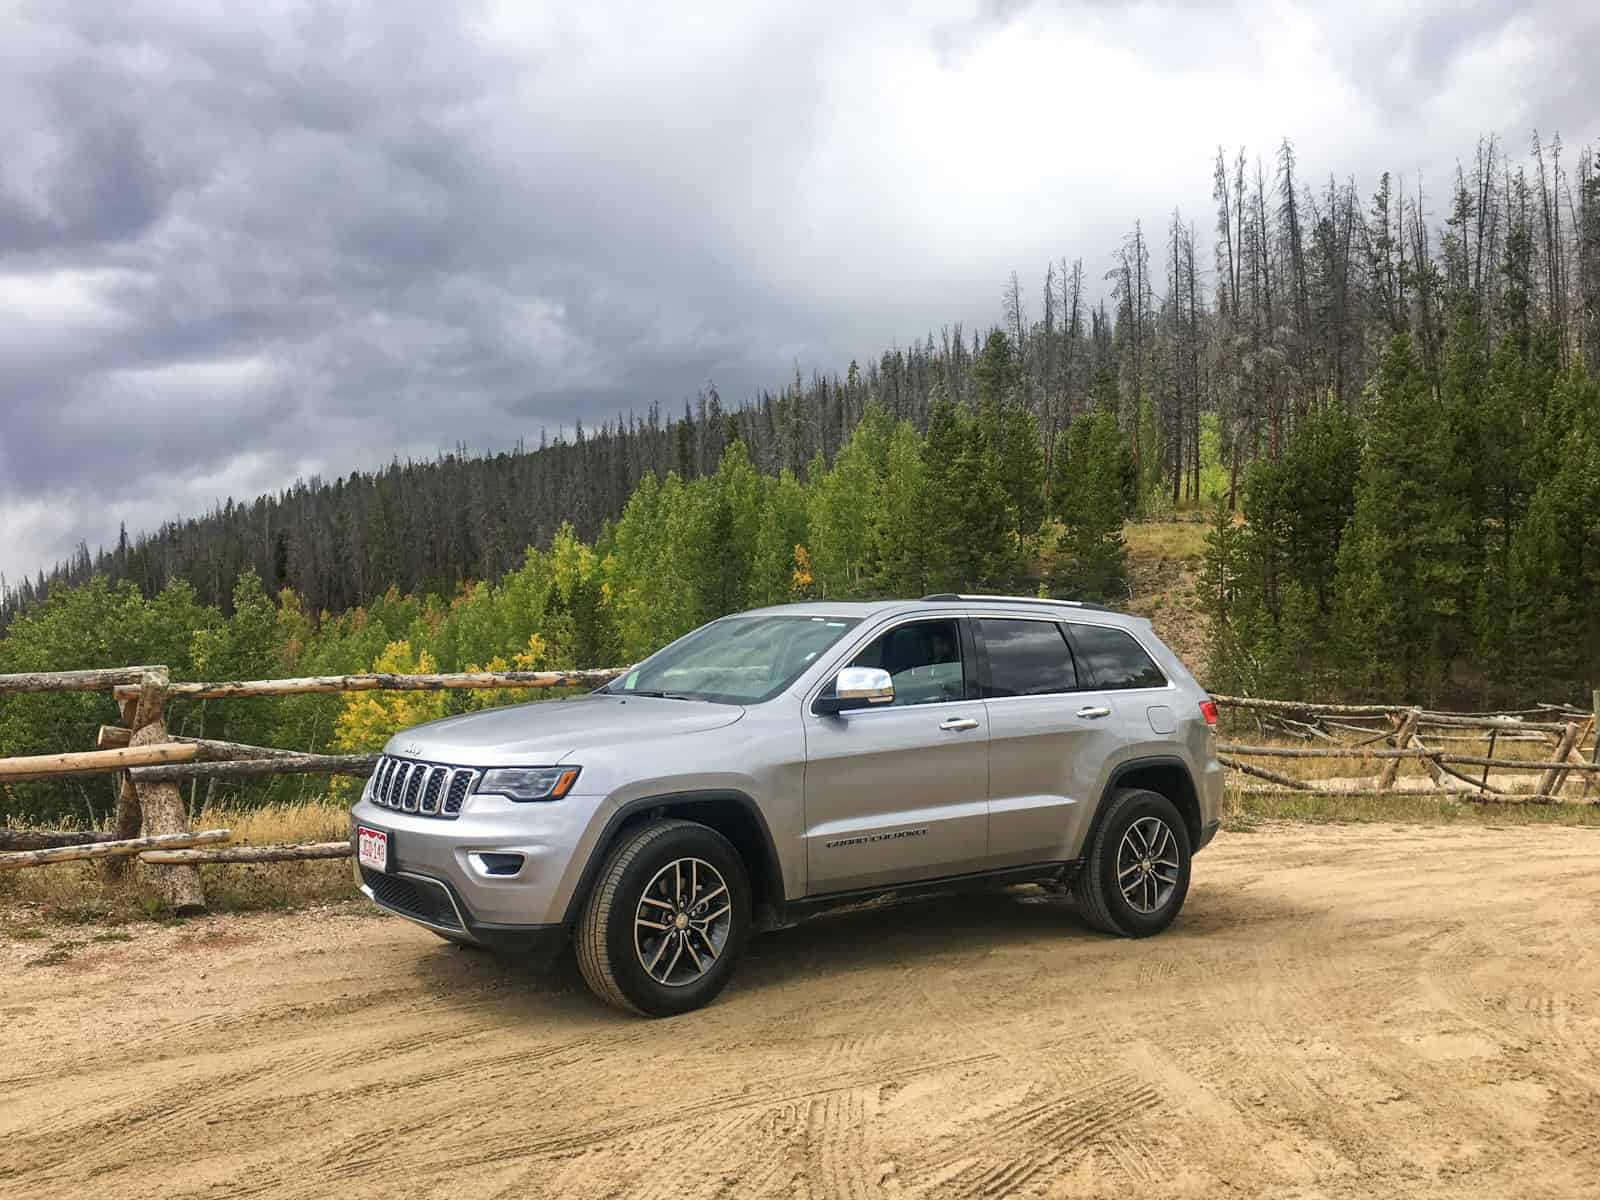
x=412 y=749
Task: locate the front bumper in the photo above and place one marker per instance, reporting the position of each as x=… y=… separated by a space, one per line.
x=434 y=904
x=445 y=873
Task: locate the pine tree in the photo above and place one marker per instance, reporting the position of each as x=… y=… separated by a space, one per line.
x=940 y=450
x=1555 y=574
x=1402 y=564
x=1089 y=501
x=904 y=520
x=985 y=555
x=1010 y=429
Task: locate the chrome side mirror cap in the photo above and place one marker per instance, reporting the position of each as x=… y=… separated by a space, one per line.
x=857 y=687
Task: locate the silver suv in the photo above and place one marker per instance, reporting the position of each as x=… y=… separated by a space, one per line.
x=780 y=762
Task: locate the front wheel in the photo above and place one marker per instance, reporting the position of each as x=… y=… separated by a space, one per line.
x=667 y=919
x=1135 y=872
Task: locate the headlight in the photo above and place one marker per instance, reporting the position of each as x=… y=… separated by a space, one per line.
x=529 y=783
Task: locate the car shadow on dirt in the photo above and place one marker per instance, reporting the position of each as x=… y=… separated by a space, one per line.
x=943 y=931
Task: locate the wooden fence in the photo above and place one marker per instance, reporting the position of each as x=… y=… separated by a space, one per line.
x=1564 y=737
x=150 y=821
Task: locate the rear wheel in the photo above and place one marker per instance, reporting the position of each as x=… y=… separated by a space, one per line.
x=667 y=919
x=1135 y=873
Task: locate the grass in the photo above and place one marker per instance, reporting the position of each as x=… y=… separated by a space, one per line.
x=1166 y=540
x=74 y=893
x=1243 y=811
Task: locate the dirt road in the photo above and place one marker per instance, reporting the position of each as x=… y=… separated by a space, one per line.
x=1351 y=1011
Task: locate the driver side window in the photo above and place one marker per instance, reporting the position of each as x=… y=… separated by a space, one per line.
x=924 y=660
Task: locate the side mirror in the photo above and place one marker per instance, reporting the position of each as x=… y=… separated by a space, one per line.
x=856 y=687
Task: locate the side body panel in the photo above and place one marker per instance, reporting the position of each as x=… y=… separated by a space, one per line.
x=895 y=794
x=1044 y=772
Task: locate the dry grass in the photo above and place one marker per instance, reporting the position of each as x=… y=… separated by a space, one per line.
x=1164 y=560
x=1243 y=810
x=74 y=891
x=319 y=820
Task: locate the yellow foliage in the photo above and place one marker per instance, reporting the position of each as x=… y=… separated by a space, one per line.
x=531 y=659
x=534 y=658
x=800 y=582
x=369 y=719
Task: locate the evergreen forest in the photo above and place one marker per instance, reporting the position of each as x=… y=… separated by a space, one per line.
x=1384 y=405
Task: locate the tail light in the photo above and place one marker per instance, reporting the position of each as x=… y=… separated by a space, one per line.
x=1208 y=710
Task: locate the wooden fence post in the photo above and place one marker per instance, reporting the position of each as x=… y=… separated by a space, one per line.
x=1402 y=741
x=160 y=803
x=1575 y=755
x=1550 y=781
x=1594 y=728
x=126 y=816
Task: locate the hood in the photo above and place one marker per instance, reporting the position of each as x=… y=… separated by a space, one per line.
x=547 y=732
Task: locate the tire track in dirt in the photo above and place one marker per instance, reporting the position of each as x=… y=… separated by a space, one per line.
x=266 y=1093
x=428 y=1155
x=1031 y=1136
x=1341 y=1011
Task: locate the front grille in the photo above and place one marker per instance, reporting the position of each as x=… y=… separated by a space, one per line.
x=423 y=899
x=427 y=789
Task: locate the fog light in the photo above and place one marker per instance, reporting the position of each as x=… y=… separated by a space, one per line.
x=497 y=864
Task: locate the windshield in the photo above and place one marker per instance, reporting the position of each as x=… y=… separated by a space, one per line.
x=737 y=660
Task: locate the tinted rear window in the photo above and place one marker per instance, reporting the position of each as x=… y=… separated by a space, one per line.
x=1026 y=658
x=1110 y=658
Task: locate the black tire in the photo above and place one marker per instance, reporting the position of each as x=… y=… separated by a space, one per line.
x=1097 y=891
x=614 y=963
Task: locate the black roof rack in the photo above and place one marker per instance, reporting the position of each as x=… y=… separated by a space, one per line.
x=956 y=596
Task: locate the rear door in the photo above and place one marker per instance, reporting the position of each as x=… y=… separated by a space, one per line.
x=900 y=793
x=1047 y=737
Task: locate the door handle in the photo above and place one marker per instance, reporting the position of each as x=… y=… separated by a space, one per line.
x=1093 y=712
x=957 y=724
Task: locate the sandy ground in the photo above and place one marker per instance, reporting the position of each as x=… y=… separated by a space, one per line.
x=1340 y=1011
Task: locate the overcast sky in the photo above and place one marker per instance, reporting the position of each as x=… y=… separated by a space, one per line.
x=244 y=243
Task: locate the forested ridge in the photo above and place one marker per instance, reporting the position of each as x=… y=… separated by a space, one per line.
x=1384 y=402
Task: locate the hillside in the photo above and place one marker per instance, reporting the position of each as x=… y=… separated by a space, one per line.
x=1164 y=562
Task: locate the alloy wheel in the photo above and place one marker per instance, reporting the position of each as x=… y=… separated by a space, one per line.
x=683 y=921
x=1147 y=865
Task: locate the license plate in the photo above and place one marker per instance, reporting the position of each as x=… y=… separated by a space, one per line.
x=372 y=848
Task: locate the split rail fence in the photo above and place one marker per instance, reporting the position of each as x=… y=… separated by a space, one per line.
x=150 y=821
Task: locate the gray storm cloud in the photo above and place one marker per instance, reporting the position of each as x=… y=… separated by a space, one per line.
x=244 y=243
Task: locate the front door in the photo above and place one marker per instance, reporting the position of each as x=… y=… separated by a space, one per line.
x=900 y=792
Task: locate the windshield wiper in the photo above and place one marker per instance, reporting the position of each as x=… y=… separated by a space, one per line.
x=657 y=695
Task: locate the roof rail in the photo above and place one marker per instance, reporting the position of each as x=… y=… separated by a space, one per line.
x=1017 y=600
